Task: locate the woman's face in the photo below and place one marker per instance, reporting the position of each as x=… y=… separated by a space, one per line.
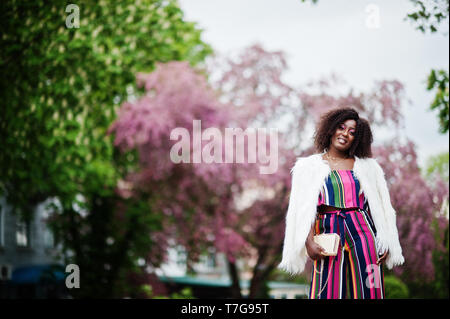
x=344 y=135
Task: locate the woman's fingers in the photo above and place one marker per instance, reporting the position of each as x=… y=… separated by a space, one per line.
x=321 y=251
x=318 y=255
x=382 y=258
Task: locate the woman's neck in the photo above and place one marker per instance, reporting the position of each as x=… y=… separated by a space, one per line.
x=336 y=153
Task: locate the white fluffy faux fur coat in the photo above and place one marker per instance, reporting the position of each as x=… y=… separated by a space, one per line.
x=308 y=175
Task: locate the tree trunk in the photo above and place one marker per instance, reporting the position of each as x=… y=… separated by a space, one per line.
x=261 y=272
x=234 y=275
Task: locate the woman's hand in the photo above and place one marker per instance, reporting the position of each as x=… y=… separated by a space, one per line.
x=382 y=258
x=314 y=250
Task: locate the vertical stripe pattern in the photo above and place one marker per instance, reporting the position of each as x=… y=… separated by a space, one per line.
x=341 y=189
x=356 y=258
x=354 y=268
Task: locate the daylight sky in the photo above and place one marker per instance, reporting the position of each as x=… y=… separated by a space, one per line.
x=340 y=36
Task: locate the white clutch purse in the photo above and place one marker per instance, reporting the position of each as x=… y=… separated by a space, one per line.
x=329 y=242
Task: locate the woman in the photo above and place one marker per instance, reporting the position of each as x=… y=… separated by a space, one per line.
x=341 y=190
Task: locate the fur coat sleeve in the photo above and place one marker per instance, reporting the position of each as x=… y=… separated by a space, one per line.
x=392 y=244
x=298 y=219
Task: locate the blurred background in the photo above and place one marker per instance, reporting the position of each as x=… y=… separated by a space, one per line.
x=93 y=206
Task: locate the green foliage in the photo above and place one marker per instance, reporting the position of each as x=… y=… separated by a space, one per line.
x=147 y=290
x=428 y=15
x=185 y=293
x=441 y=263
x=438 y=164
x=61 y=87
x=438 y=80
x=395 y=288
x=60 y=90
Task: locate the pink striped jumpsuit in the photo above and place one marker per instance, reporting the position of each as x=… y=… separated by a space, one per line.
x=354 y=267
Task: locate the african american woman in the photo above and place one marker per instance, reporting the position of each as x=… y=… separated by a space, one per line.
x=342 y=190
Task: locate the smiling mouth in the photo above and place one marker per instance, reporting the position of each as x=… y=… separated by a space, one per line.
x=341 y=140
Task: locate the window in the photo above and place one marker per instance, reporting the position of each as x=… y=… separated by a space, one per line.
x=49 y=240
x=211 y=260
x=181 y=256
x=48 y=235
x=22 y=233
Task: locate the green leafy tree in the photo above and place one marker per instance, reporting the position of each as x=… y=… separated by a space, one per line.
x=438 y=164
x=429 y=14
x=438 y=80
x=65 y=70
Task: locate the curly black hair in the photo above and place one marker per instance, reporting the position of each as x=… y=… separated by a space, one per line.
x=328 y=124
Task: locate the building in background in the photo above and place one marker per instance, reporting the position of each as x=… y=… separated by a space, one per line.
x=29 y=262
